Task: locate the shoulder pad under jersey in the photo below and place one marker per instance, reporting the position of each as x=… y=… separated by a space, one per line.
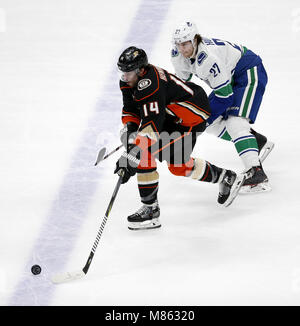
x=148 y=85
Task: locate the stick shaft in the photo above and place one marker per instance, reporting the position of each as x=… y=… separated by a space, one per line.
x=112 y=152
x=98 y=237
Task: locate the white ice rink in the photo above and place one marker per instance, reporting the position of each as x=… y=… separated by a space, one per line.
x=60 y=103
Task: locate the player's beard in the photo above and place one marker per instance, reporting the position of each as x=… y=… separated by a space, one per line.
x=133 y=82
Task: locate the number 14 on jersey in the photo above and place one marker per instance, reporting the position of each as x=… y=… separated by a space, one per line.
x=150 y=107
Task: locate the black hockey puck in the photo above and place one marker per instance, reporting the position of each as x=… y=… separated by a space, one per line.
x=36 y=269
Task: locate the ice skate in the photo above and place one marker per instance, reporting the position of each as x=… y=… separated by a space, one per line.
x=265 y=150
x=229 y=187
x=257 y=183
x=147 y=217
x=264 y=145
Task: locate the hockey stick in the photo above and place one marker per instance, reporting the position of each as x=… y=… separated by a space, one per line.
x=101 y=156
x=70 y=276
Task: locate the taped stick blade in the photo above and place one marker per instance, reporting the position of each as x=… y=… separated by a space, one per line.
x=100 y=155
x=67 y=277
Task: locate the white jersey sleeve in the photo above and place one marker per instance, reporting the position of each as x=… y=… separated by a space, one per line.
x=181 y=67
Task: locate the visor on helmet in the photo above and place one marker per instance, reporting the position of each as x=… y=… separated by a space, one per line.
x=126 y=76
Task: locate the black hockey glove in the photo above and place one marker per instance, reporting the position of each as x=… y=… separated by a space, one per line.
x=128 y=133
x=128 y=162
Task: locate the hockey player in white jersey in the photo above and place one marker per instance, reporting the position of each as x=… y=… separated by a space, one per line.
x=238 y=79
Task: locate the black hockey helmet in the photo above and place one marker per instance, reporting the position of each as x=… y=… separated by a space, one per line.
x=132 y=58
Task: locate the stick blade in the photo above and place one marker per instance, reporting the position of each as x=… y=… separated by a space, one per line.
x=100 y=155
x=67 y=277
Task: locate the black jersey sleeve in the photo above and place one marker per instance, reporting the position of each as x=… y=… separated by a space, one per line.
x=130 y=110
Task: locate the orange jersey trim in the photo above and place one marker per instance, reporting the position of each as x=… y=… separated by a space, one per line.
x=150 y=122
x=124 y=87
x=131 y=113
x=206 y=174
x=147 y=187
x=188 y=117
x=131 y=119
x=156 y=88
x=208 y=113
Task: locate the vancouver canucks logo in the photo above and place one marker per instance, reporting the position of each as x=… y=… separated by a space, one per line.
x=201 y=57
x=144 y=83
x=174 y=52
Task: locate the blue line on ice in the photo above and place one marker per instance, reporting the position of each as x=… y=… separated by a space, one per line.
x=56 y=240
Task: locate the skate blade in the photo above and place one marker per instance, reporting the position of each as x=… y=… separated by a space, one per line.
x=146 y=225
x=240 y=179
x=256 y=189
x=266 y=150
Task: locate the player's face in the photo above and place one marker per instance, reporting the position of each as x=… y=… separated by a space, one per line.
x=130 y=77
x=186 y=48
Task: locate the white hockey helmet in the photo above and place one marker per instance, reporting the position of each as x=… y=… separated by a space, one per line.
x=184 y=32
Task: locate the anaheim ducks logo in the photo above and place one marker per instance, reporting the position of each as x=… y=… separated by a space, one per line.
x=144 y=83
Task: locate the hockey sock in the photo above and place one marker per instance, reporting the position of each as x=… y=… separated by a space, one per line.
x=205 y=171
x=247 y=149
x=225 y=135
x=148 y=186
x=218 y=129
x=244 y=141
x=246 y=146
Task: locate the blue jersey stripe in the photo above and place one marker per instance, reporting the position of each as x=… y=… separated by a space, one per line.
x=220 y=86
x=243 y=137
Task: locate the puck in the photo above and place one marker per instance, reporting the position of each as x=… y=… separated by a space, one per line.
x=36 y=269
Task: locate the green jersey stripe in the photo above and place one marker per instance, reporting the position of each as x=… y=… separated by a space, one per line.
x=224 y=92
x=252 y=84
x=190 y=77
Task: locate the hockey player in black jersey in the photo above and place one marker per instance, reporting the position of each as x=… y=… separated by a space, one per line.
x=162 y=117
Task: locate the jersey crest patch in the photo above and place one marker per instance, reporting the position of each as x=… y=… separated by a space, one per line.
x=201 y=57
x=144 y=83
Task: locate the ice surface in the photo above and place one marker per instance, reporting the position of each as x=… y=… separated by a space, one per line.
x=60 y=104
